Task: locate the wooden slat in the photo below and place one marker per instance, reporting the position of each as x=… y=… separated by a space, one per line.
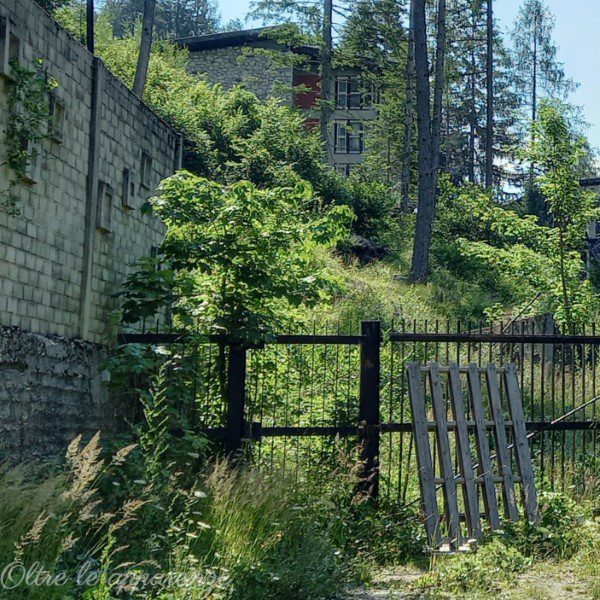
x=508 y=489
x=445 y=455
x=483 y=448
x=464 y=454
x=521 y=444
x=423 y=452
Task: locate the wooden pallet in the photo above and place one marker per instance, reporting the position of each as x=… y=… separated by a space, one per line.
x=432 y=402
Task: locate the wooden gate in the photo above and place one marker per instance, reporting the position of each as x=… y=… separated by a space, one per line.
x=493 y=423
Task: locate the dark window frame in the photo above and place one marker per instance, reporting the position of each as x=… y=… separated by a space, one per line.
x=346 y=133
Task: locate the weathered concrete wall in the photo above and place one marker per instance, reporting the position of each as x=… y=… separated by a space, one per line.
x=59 y=269
x=68 y=251
x=51 y=390
x=233 y=66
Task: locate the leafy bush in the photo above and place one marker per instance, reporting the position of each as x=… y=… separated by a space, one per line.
x=556 y=535
x=488 y=570
x=240 y=260
x=512 y=258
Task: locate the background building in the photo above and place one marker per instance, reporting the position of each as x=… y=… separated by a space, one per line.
x=246 y=58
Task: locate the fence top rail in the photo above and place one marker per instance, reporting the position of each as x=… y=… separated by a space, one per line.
x=396 y=336
x=498 y=338
x=182 y=338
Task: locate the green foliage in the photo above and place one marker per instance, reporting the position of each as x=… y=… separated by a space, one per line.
x=173 y=18
x=557 y=535
x=28 y=124
x=231 y=135
x=237 y=259
x=489 y=570
x=513 y=258
x=272 y=542
x=559 y=152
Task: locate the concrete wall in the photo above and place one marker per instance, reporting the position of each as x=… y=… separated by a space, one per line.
x=233 y=66
x=58 y=270
x=52 y=390
x=61 y=261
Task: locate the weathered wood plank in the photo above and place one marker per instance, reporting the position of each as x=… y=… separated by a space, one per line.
x=521 y=444
x=503 y=457
x=423 y=452
x=483 y=448
x=445 y=455
x=464 y=454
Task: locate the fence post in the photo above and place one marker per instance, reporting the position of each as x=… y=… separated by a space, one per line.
x=236 y=398
x=369 y=407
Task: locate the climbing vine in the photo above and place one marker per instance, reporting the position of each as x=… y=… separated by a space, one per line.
x=28 y=125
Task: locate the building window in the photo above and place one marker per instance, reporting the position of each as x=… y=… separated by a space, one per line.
x=344 y=170
x=340 y=138
x=56 y=111
x=128 y=191
x=32 y=172
x=351 y=93
x=146 y=171
x=349 y=137
x=10 y=46
x=104 y=204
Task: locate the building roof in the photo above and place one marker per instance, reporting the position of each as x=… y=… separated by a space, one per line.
x=591 y=182
x=243 y=37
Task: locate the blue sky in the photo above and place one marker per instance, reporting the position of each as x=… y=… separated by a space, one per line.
x=577 y=35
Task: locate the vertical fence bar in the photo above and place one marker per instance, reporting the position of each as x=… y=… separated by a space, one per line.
x=369 y=405
x=236 y=397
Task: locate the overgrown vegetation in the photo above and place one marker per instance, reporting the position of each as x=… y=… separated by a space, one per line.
x=28 y=125
x=157 y=518
x=241 y=260
x=256 y=244
x=566 y=531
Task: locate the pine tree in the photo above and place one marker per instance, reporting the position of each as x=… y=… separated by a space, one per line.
x=537 y=71
x=174 y=18
x=374 y=39
x=465 y=150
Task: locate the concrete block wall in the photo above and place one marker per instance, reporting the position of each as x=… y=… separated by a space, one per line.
x=58 y=270
x=43 y=249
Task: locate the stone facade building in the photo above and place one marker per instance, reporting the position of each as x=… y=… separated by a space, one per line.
x=593 y=232
x=77 y=232
x=246 y=58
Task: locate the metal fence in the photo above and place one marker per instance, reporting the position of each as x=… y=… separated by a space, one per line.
x=303 y=401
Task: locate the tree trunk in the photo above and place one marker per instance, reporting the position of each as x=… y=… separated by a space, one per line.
x=327 y=74
x=429 y=132
x=89 y=22
x=426 y=210
x=534 y=82
x=489 y=133
x=408 y=114
x=141 y=71
x=473 y=103
x=438 y=92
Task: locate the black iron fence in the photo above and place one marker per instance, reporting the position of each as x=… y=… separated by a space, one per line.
x=301 y=401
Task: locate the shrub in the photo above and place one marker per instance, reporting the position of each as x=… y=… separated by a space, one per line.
x=518 y=262
x=241 y=260
x=558 y=531
x=488 y=570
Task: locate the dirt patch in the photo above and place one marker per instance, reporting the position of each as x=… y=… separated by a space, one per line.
x=546 y=581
